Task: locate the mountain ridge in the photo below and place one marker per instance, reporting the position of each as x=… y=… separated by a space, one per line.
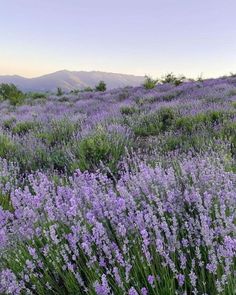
x=69 y=80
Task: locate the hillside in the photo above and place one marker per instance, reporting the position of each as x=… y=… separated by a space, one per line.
x=129 y=191
x=69 y=80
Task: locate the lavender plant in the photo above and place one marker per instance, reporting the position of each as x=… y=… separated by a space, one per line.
x=127 y=191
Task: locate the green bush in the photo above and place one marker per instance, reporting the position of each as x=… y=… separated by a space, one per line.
x=100 y=147
x=12 y=93
x=9 y=123
x=167 y=118
x=59 y=91
x=202 y=120
x=184 y=143
x=147 y=125
x=24 y=127
x=168 y=97
x=38 y=95
x=63 y=99
x=5 y=202
x=59 y=160
x=186 y=124
x=171 y=78
x=234 y=104
x=128 y=110
x=58 y=132
x=123 y=95
x=7 y=147
x=88 y=89
x=149 y=82
x=217 y=116
x=155 y=123
x=229 y=133
x=101 y=86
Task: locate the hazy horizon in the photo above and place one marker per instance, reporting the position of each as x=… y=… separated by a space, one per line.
x=68 y=70
x=128 y=37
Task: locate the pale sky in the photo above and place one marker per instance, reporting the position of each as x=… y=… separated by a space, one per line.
x=153 y=37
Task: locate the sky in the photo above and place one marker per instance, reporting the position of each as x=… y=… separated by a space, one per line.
x=153 y=37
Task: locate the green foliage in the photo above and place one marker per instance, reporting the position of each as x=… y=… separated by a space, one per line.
x=58 y=132
x=59 y=91
x=24 y=127
x=128 y=110
x=9 y=123
x=169 y=97
x=38 y=95
x=186 y=124
x=5 y=202
x=124 y=94
x=59 y=160
x=229 y=133
x=12 y=93
x=149 y=82
x=232 y=75
x=100 y=147
x=184 y=143
x=167 y=118
x=63 y=99
x=75 y=91
x=199 y=78
x=155 y=123
x=7 y=147
x=101 y=86
x=202 y=120
x=88 y=89
x=171 y=78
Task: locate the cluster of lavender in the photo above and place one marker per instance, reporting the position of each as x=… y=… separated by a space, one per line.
x=146 y=203
x=157 y=231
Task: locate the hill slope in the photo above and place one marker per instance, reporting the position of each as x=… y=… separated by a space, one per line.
x=69 y=80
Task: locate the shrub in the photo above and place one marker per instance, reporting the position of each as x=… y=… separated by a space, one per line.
x=154 y=123
x=128 y=110
x=169 y=97
x=59 y=160
x=38 y=95
x=75 y=91
x=59 y=91
x=7 y=147
x=170 y=230
x=58 y=132
x=232 y=75
x=147 y=125
x=24 y=127
x=12 y=93
x=101 y=86
x=201 y=120
x=63 y=99
x=100 y=147
x=229 y=133
x=184 y=143
x=186 y=124
x=171 y=78
x=124 y=94
x=9 y=123
x=149 y=82
x=166 y=118
x=200 y=78
x=88 y=89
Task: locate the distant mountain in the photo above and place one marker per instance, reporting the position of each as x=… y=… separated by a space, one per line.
x=69 y=80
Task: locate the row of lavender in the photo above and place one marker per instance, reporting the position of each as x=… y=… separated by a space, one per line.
x=151 y=209
x=51 y=133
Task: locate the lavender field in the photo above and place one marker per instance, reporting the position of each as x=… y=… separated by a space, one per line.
x=127 y=191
